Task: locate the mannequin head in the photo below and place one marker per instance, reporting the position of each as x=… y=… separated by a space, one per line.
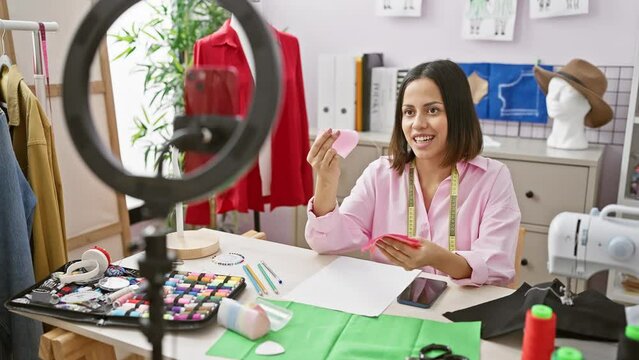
x=577 y=77
x=568 y=108
x=564 y=102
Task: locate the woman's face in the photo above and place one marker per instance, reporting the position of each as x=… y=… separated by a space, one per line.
x=424 y=120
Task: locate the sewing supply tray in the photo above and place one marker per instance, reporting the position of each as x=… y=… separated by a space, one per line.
x=191 y=299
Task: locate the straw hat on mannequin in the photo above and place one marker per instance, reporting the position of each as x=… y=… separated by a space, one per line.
x=574 y=99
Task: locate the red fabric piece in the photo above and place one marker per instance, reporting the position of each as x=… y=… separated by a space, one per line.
x=292 y=177
x=412 y=242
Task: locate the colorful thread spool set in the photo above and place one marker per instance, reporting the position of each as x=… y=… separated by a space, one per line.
x=188 y=296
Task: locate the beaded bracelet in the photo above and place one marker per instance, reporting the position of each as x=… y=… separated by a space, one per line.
x=228 y=259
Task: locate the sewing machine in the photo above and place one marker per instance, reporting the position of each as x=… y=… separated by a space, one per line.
x=580 y=245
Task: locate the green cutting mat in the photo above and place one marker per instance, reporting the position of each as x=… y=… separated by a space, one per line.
x=317 y=333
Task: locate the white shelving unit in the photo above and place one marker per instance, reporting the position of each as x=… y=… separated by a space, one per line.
x=630 y=158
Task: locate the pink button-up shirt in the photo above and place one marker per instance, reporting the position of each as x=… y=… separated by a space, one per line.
x=487 y=225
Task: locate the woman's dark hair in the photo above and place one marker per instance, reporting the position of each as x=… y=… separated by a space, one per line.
x=464 y=140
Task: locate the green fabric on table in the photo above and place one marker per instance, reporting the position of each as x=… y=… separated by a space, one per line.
x=317 y=333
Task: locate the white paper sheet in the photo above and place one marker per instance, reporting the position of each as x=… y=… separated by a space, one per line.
x=354 y=286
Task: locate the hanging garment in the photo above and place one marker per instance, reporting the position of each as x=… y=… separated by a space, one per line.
x=19 y=336
x=592 y=317
x=291 y=182
x=34 y=147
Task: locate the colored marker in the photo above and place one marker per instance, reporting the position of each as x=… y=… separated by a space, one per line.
x=268 y=279
x=259 y=282
x=272 y=272
x=248 y=275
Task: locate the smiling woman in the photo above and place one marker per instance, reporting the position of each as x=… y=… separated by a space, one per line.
x=434 y=187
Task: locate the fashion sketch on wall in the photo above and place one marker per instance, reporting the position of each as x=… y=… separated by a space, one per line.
x=553 y=8
x=489 y=20
x=411 y=8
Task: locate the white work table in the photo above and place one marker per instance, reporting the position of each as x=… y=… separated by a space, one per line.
x=293 y=265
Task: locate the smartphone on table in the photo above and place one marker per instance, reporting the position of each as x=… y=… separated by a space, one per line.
x=422 y=292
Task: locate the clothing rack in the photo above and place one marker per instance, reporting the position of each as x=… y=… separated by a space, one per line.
x=33 y=26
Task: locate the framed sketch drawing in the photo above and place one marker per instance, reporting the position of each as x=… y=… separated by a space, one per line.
x=410 y=8
x=489 y=20
x=554 y=8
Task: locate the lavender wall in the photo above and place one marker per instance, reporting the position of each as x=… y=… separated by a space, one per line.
x=607 y=36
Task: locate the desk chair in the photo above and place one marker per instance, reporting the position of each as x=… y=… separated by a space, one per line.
x=518 y=255
x=255 y=235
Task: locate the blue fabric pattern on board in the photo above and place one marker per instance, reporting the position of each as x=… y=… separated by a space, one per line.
x=514 y=94
x=483 y=71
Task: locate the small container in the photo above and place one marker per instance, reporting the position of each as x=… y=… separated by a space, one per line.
x=277 y=315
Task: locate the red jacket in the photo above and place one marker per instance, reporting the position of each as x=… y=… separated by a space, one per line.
x=292 y=176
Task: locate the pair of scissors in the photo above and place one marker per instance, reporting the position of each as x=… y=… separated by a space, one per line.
x=437 y=352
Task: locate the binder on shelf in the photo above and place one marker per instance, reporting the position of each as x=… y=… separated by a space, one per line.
x=359 y=95
x=376 y=100
x=369 y=61
x=326 y=92
x=336 y=91
x=345 y=81
x=389 y=93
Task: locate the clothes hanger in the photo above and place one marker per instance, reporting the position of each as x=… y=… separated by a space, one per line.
x=5 y=60
x=5 y=65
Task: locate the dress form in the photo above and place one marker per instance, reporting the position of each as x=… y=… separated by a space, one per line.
x=265 y=152
x=568 y=108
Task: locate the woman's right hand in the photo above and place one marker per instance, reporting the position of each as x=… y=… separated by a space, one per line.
x=324 y=159
x=326 y=164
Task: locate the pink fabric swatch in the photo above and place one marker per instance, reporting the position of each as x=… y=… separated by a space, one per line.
x=399 y=237
x=346 y=142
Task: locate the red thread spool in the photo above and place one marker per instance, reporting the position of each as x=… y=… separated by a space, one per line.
x=539 y=333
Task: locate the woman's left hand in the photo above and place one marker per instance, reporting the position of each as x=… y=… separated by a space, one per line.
x=408 y=257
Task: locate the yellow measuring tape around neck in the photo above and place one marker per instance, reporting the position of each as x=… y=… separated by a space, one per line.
x=452 y=215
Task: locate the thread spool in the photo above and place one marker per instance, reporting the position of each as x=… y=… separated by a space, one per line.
x=247 y=321
x=567 y=353
x=122 y=299
x=628 y=348
x=122 y=312
x=539 y=333
x=114 y=296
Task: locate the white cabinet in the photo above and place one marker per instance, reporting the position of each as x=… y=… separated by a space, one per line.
x=547 y=181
